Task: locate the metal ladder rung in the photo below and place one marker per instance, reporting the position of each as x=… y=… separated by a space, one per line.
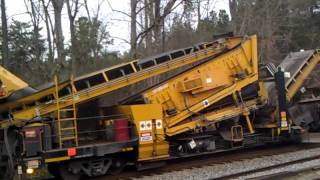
x=67 y=132
x=67 y=129
x=66 y=109
x=67 y=119
x=68 y=138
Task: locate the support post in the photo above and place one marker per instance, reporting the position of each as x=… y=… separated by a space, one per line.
x=250 y=126
x=282 y=99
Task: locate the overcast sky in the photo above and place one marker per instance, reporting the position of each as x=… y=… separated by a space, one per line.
x=117 y=29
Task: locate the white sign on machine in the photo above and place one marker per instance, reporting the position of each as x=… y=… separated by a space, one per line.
x=146 y=137
x=147 y=126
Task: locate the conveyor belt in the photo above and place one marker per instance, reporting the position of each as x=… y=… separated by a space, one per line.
x=99 y=83
x=300 y=65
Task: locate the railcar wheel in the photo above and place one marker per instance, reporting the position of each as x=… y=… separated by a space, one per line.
x=118 y=165
x=66 y=173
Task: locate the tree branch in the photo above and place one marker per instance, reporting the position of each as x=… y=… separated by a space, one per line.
x=165 y=14
x=124 y=13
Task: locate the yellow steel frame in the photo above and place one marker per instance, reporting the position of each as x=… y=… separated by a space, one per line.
x=212 y=117
x=221 y=74
x=171 y=121
x=20 y=116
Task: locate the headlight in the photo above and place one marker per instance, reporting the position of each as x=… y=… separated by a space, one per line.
x=30 y=171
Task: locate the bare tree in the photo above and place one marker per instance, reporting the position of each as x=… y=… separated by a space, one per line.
x=159 y=20
x=149 y=18
x=50 y=29
x=5 y=46
x=153 y=27
x=198 y=4
x=73 y=9
x=35 y=17
x=59 y=39
x=154 y=30
x=87 y=9
x=133 y=32
x=233 y=12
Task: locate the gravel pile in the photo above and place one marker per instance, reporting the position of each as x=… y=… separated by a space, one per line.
x=219 y=170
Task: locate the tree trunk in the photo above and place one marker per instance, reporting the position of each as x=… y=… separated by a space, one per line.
x=46 y=19
x=233 y=13
x=198 y=14
x=72 y=17
x=36 y=30
x=5 y=46
x=159 y=20
x=133 y=34
x=149 y=20
x=157 y=24
x=163 y=37
x=57 y=6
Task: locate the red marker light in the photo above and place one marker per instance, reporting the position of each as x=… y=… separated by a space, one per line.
x=72 y=152
x=2 y=92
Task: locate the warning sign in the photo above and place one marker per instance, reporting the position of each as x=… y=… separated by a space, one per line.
x=148 y=125
x=159 y=124
x=142 y=125
x=145 y=137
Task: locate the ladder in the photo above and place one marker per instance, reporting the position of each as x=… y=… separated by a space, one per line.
x=66 y=118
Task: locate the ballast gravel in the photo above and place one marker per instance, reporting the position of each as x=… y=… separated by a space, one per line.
x=289 y=168
x=220 y=170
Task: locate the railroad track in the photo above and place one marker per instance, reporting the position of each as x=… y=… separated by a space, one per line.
x=175 y=168
x=277 y=171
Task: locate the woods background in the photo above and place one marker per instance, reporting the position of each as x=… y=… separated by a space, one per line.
x=38 y=49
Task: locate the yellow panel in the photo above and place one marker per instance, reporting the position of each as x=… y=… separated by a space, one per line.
x=152 y=143
x=192 y=84
x=142 y=112
x=10 y=82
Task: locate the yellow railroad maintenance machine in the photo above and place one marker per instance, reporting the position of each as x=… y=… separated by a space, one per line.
x=198 y=100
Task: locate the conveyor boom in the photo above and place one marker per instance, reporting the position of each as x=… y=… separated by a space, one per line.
x=300 y=65
x=99 y=83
